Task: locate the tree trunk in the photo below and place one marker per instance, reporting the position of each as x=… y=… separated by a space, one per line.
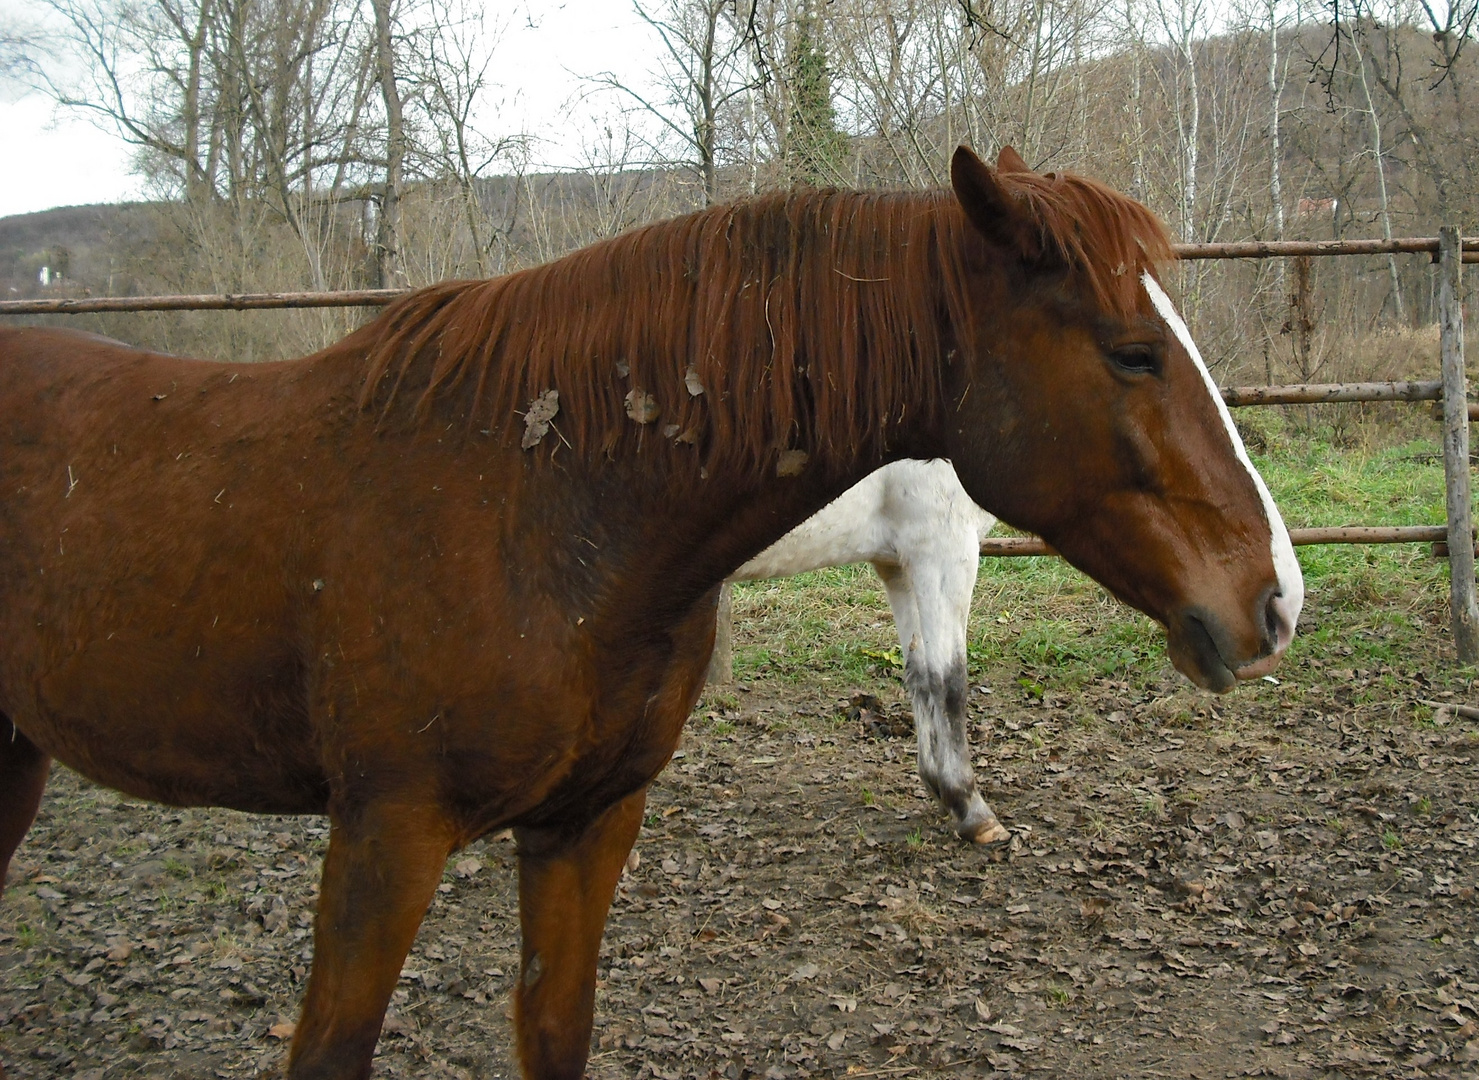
x=1381 y=178
x=1275 y=149
x=389 y=269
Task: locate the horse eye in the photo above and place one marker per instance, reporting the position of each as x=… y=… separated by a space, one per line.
x=1138 y=359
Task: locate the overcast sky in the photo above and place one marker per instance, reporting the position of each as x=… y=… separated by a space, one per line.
x=53 y=159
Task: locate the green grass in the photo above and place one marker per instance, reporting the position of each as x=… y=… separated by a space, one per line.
x=1038 y=625
x=176 y=869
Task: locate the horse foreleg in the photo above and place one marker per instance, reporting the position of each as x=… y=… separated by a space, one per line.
x=380 y=874
x=931 y=603
x=23 y=770
x=565 y=887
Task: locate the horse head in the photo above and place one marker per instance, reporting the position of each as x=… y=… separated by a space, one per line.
x=1085 y=414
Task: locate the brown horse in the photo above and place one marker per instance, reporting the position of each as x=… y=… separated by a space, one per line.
x=458 y=572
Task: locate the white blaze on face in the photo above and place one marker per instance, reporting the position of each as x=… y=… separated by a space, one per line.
x=1286 y=566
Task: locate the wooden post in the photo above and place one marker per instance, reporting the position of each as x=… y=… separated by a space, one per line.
x=1462 y=607
x=1300 y=324
x=721 y=663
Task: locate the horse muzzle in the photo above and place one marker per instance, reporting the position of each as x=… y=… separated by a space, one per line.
x=1216 y=653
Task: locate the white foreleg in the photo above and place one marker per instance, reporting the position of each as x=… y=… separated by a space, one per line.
x=930 y=593
x=914 y=522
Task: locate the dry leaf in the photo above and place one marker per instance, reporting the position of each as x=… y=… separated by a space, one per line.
x=642 y=406
x=282 y=1030
x=537 y=418
x=692 y=381
x=791 y=462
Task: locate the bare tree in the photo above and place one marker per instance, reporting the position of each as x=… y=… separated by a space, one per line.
x=447 y=75
x=1379 y=164
x=250 y=107
x=389 y=271
x=22 y=49
x=1180 y=20
x=704 y=66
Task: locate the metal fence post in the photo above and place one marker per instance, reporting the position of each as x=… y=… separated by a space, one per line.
x=1462 y=607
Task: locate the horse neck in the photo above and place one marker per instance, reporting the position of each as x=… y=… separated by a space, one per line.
x=672 y=541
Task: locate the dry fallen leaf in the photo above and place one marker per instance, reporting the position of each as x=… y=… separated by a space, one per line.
x=642 y=406
x=282 y=1030
x=692 y=382
x=791 y=462
x=537 y=418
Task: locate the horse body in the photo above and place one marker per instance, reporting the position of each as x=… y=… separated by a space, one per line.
x=319 y=617
x=922 y=533
x=348 y=584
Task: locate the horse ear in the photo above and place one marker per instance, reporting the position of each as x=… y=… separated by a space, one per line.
x=999 y=215
x=1010 y=161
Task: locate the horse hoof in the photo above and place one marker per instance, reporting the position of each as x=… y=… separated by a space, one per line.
x=990 y=834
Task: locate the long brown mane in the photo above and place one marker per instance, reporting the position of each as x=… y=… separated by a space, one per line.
x=807 y=320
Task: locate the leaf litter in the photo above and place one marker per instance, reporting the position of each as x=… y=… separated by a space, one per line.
x=1285 y=887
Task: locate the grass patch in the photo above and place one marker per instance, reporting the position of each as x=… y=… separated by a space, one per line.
x=1038 y=625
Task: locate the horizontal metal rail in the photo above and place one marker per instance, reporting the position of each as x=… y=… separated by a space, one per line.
x=1242 y=249
x=1322 y=393
x=83 y=305
x=1014 y=546
x=1275 y=249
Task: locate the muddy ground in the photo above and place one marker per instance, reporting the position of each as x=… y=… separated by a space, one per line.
x=1276 y=883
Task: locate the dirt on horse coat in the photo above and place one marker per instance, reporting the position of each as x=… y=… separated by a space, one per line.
x=458 y=572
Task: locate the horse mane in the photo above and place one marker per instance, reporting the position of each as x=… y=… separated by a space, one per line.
x=1106 y=238
x=811 y=320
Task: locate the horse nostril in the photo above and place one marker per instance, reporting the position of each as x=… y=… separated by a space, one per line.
x=1278 y=626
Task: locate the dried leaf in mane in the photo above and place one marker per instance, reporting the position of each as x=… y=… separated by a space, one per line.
x=808 y=319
